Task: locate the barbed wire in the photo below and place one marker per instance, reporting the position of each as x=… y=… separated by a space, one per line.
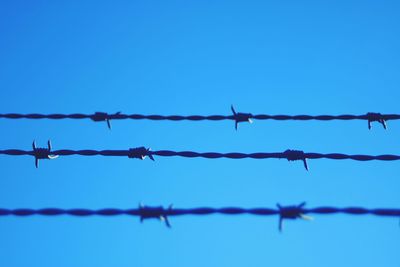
x=159 y=212
x=143 y=152
x=238 y=117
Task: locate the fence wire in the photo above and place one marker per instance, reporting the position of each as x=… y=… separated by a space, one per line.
x=238 y=117
x=163 y=214
x=143 y=152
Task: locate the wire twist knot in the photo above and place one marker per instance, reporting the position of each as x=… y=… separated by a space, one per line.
x=291 y=213
x=42 y=153
x=140 y=153
x=376 y=117
x=102 y=116
x=241 y=117
x=147 y=212
x=293 y=155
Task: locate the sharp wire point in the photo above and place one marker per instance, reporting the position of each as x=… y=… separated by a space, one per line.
x=307 y=218
x=42 y=153
x=140 y=153
x=376 y=117
x=233 y=110
x=305 y=164
x=291 y=213
x=294 y=155
x=147 y=212
x=240 y=117
x=102 y=116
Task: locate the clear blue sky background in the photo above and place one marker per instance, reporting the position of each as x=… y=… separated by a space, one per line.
x=199 y=57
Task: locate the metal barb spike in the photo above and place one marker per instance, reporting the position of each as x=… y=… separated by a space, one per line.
x=291 y=213
x=147 y=212
x=140 y=153
x=42 y=153
x=376 y=117
x=241 y=117
x=293 y=155
x=102 y=116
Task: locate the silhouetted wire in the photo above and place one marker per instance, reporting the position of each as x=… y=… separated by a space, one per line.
x=159 y=212
x=193 y=117
x=196 y=211
x=238 y=117
x=208 y=155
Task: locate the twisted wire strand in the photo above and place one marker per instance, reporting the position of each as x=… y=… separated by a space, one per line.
x=385 y=212
x=208 y=155
x=195 y=117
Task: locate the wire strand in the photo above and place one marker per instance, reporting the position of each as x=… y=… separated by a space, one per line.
x=194 y=117
x=208 y=155
x=197 y=211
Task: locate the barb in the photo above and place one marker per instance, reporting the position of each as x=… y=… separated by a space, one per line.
x=237 y=117
x=102 y=116
x=293 y=155
x=378 y=117
x=291 y=213
x=42 y=153
x=142 y=153
x=147 y=212
x=241 y=117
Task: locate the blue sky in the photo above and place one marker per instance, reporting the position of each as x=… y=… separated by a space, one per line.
x=199 y=57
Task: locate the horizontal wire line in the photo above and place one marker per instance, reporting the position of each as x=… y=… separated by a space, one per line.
x=195 y=117
x=195 y=211
x=209 y=155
